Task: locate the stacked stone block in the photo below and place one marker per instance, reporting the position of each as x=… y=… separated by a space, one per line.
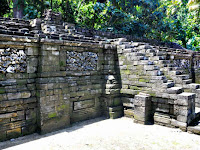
x=184 y=109
x=69 y=89
x=15 y=26
x=142 y=109
x=18 y=103
x=112 y=101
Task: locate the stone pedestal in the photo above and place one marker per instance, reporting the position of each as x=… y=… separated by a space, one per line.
x=184 y=108
x=143 y=109
x=115 y=112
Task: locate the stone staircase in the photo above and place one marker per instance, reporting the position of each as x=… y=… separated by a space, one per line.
x=168 y=82
x=14 y=26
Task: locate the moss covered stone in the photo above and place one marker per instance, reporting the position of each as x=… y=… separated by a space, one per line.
x=134 y=88
x=144 y=80
x=52 y=115
x=2 y=90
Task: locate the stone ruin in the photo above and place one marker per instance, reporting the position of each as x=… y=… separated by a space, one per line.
x=54 y=74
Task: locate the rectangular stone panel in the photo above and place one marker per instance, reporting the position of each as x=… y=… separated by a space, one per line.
x=81 y=61
x=12 y=60
x=83 y=104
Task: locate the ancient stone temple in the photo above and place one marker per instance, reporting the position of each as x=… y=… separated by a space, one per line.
x=54 y=74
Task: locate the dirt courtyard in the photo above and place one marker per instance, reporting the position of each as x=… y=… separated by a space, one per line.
x=108 y=134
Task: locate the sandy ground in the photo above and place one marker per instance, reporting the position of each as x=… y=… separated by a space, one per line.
x=107 y=134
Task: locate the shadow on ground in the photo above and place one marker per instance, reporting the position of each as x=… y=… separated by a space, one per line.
x=36 y=136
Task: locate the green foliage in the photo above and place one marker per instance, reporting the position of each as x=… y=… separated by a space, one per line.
x=166 y=20
x=4 y=7
x=30 y=12
x=184 y=26
x=194 y=5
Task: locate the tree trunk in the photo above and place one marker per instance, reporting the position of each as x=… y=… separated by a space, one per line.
x=51 y=4
x=42 y=7
x=18 y=9
x=184 y=42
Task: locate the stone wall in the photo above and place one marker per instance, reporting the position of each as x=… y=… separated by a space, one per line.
x=53 y=74
x=18 y=103
x=47 y=83
x=69 y=83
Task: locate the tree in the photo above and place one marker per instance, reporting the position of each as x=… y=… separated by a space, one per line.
x=194 y=4
x=4 y=7
x=18 y=8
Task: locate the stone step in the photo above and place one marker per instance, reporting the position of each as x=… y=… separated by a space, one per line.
x=170 y=65
x=151 y=54
x=164 y=69
x=165 y=81
x=129 y=113
x=150 y=51
x=158 y=58
x=141 y=50
x=146 y=46
x=128 y=50
x=194 y=86
x=125 y=46
x=15 y=24
x=151 y=67
x=142 y=58
x=176 y=72
x=194 y=129
x=130 y=105
x=116 y=108
x=175 y=90
x=161 y=53
x=168 y=85
x=158 y=78
x=178 y=68
x=123 y=42
x=188 y=81
x=162 y=118
x=183 y=77
x=198 y=91
x=160 y=73
x=139 y=54
x=164 y=62
x=150 y=63
x=154 y=72
x=170 y=68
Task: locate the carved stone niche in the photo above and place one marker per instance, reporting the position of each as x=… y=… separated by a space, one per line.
x=12 y=60
x=81 y=61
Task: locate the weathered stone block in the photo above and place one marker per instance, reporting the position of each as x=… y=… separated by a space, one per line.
x=115 y=108
x=13 y=133
x=32 y=51
x=181 y=125
x=162 y=118
x=195 y=129
x=83 y=104
x=55 y=123
x=3 y=97
x=117 y=101
x=142 y=100
x=143 y=108
x=29 y=129
x=186 y=119
x=3 y=136
x=116 y=114
x=175 y=90
x=186 y=96
x=25 y=94
x=13 y=96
